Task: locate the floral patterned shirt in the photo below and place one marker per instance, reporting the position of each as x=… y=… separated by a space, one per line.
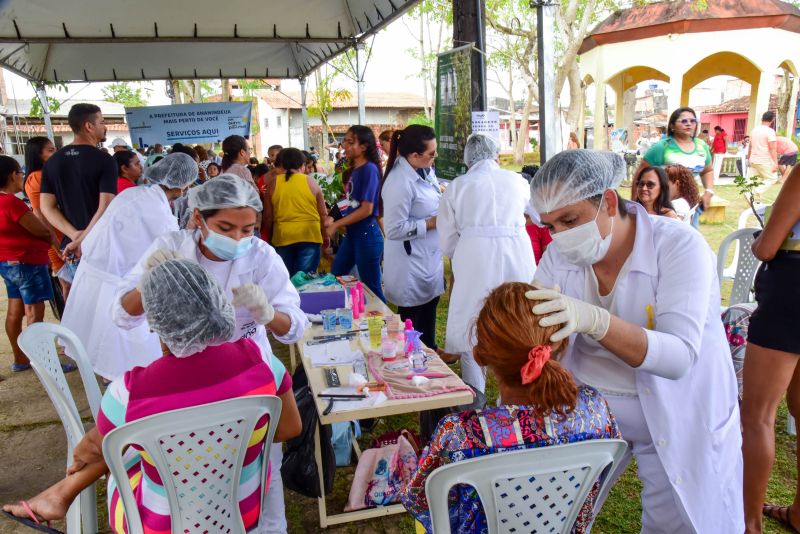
x=472 y=434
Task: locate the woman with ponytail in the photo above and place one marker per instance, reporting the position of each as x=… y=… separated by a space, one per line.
x=362 y=246
x=540 y=405
x=413 y=265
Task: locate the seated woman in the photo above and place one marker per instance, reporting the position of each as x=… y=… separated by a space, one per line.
x=540 y=405
x=651 y=190
x=190 y=312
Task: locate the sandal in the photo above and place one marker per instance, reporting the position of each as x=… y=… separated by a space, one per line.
x=33 y=521
x=19 y=367
x=779 y=514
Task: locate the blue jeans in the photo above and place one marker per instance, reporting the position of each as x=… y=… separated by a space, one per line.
x=26 y=281
x=695 y=222
x=300 y=257
x=362 y=247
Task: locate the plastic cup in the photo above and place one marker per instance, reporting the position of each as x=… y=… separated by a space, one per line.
x=388 y=350
x=328 y=320
x=345 y=316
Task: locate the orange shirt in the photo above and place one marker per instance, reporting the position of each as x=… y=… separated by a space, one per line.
x=33 y=184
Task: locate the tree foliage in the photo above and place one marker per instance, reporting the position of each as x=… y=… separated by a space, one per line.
x=126 y=93
x=53 y=103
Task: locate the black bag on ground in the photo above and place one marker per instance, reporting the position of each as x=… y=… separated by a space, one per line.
x=57 y=302
x=299 y=467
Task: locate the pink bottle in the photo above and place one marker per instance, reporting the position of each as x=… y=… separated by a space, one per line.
x=361 y=300
x=354 y=303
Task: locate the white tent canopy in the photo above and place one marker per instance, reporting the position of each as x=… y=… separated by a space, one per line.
x=98 y=40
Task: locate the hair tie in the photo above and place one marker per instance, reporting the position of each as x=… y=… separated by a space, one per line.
x=537 y=357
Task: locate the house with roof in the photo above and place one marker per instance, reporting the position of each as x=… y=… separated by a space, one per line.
x=731 y=116
x=281 y=121
x=21 y=126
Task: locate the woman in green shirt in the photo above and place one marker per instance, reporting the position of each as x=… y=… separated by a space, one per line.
x=681 y=147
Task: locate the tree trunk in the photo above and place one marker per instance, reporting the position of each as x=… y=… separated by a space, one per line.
x=466 y=29
x=226 y=90
x=512 y=109
x=522 y=139
x=423 y=55
x=576 y=101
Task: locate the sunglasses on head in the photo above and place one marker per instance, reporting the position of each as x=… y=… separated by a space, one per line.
x=687 y=121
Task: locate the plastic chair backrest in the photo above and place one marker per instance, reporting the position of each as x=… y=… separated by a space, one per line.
x=532 y=490
x=38 y=342
x=746 y=265
x=198 y=453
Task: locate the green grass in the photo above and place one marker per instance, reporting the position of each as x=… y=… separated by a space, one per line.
x=622 y=510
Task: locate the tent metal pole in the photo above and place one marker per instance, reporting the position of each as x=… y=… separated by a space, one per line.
x=304 y=112
x=361 y=67
x=548 y=110
x=41 y=93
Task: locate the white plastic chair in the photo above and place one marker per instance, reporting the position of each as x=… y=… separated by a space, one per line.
x=38 y=342
x=532 y=490
x=198 y=452
x=744 y=219
x=746 y=265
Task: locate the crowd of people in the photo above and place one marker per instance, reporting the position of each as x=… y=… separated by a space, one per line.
x=597 y=317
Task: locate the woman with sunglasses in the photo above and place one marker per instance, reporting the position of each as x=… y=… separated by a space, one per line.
x=651 y=190
x=681 y=147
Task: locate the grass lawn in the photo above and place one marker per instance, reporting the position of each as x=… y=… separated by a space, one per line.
x=622 y=511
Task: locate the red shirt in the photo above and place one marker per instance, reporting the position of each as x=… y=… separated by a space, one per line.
x=719 y=146
x=123 y=184
x=16 y=243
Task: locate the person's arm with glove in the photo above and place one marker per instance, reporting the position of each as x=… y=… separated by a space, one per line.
x=625 y=340
x=252 y=298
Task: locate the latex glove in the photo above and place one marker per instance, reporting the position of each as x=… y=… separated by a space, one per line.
x=574 y=316
x=252 y=298
x=160 y=256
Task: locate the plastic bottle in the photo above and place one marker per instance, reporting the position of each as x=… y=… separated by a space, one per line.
x=354 y=303
x=361 y=300
x=408 y=328
x=416 y=356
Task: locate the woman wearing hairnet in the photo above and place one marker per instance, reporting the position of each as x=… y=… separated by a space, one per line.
x=133 y=220
x=639 y=297
x=224 y=212
x=481 y=226
x=191 y=315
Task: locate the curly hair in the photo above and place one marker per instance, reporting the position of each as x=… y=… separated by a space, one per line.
x=687 y=187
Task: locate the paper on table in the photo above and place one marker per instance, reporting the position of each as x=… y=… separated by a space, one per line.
x=334 y=353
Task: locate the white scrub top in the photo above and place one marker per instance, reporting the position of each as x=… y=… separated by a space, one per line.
x=413 y=270
x=130 y=224
x=261 y=266
x=692 y=416
x=481 y=225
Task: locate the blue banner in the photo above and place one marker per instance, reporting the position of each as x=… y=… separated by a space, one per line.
x=188 y=123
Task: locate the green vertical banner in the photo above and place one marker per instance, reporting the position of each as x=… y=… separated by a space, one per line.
x=453 y=110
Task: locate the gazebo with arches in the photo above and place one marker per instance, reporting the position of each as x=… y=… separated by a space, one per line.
x=683 y=45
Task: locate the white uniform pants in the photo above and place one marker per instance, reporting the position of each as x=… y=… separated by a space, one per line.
x=662 y=511
x=472 y=373
x=718 y=165
x=273 y=514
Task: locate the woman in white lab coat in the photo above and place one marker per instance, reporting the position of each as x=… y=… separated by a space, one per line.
x=640 y=299
x=413 y=271
x=133 y=220
x=252 y=274
x=481 y=225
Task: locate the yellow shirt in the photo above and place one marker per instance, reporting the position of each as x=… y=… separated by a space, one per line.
x=294 y=212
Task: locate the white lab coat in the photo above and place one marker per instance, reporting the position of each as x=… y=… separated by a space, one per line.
x=133 y=220
x=481 y=227
x=413 y=270
x=694 y=419
x=261 y=266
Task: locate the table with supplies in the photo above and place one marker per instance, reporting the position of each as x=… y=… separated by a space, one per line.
x=401 y=389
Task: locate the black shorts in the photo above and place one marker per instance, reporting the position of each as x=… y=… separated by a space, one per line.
x=774 y=324
x=788 y=159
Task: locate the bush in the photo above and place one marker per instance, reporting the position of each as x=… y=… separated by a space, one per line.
x=529 y=158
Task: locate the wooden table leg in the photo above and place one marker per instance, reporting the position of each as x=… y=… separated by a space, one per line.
x=323 y=514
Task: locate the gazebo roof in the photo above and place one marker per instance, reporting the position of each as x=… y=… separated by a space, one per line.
x=666 y=18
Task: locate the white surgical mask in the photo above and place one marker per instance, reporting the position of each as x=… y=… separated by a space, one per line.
x=583 y=244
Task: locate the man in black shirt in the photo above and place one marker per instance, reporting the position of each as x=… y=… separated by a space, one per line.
x=79 y=181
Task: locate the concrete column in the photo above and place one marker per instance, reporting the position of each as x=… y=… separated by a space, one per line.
x=790 y=122
x=304 y=114
x=759 y=100
x=600 y=133
x=619 y=103
x=361 y=66
x=676 y=97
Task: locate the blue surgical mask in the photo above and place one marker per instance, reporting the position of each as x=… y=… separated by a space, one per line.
x=224 y=247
